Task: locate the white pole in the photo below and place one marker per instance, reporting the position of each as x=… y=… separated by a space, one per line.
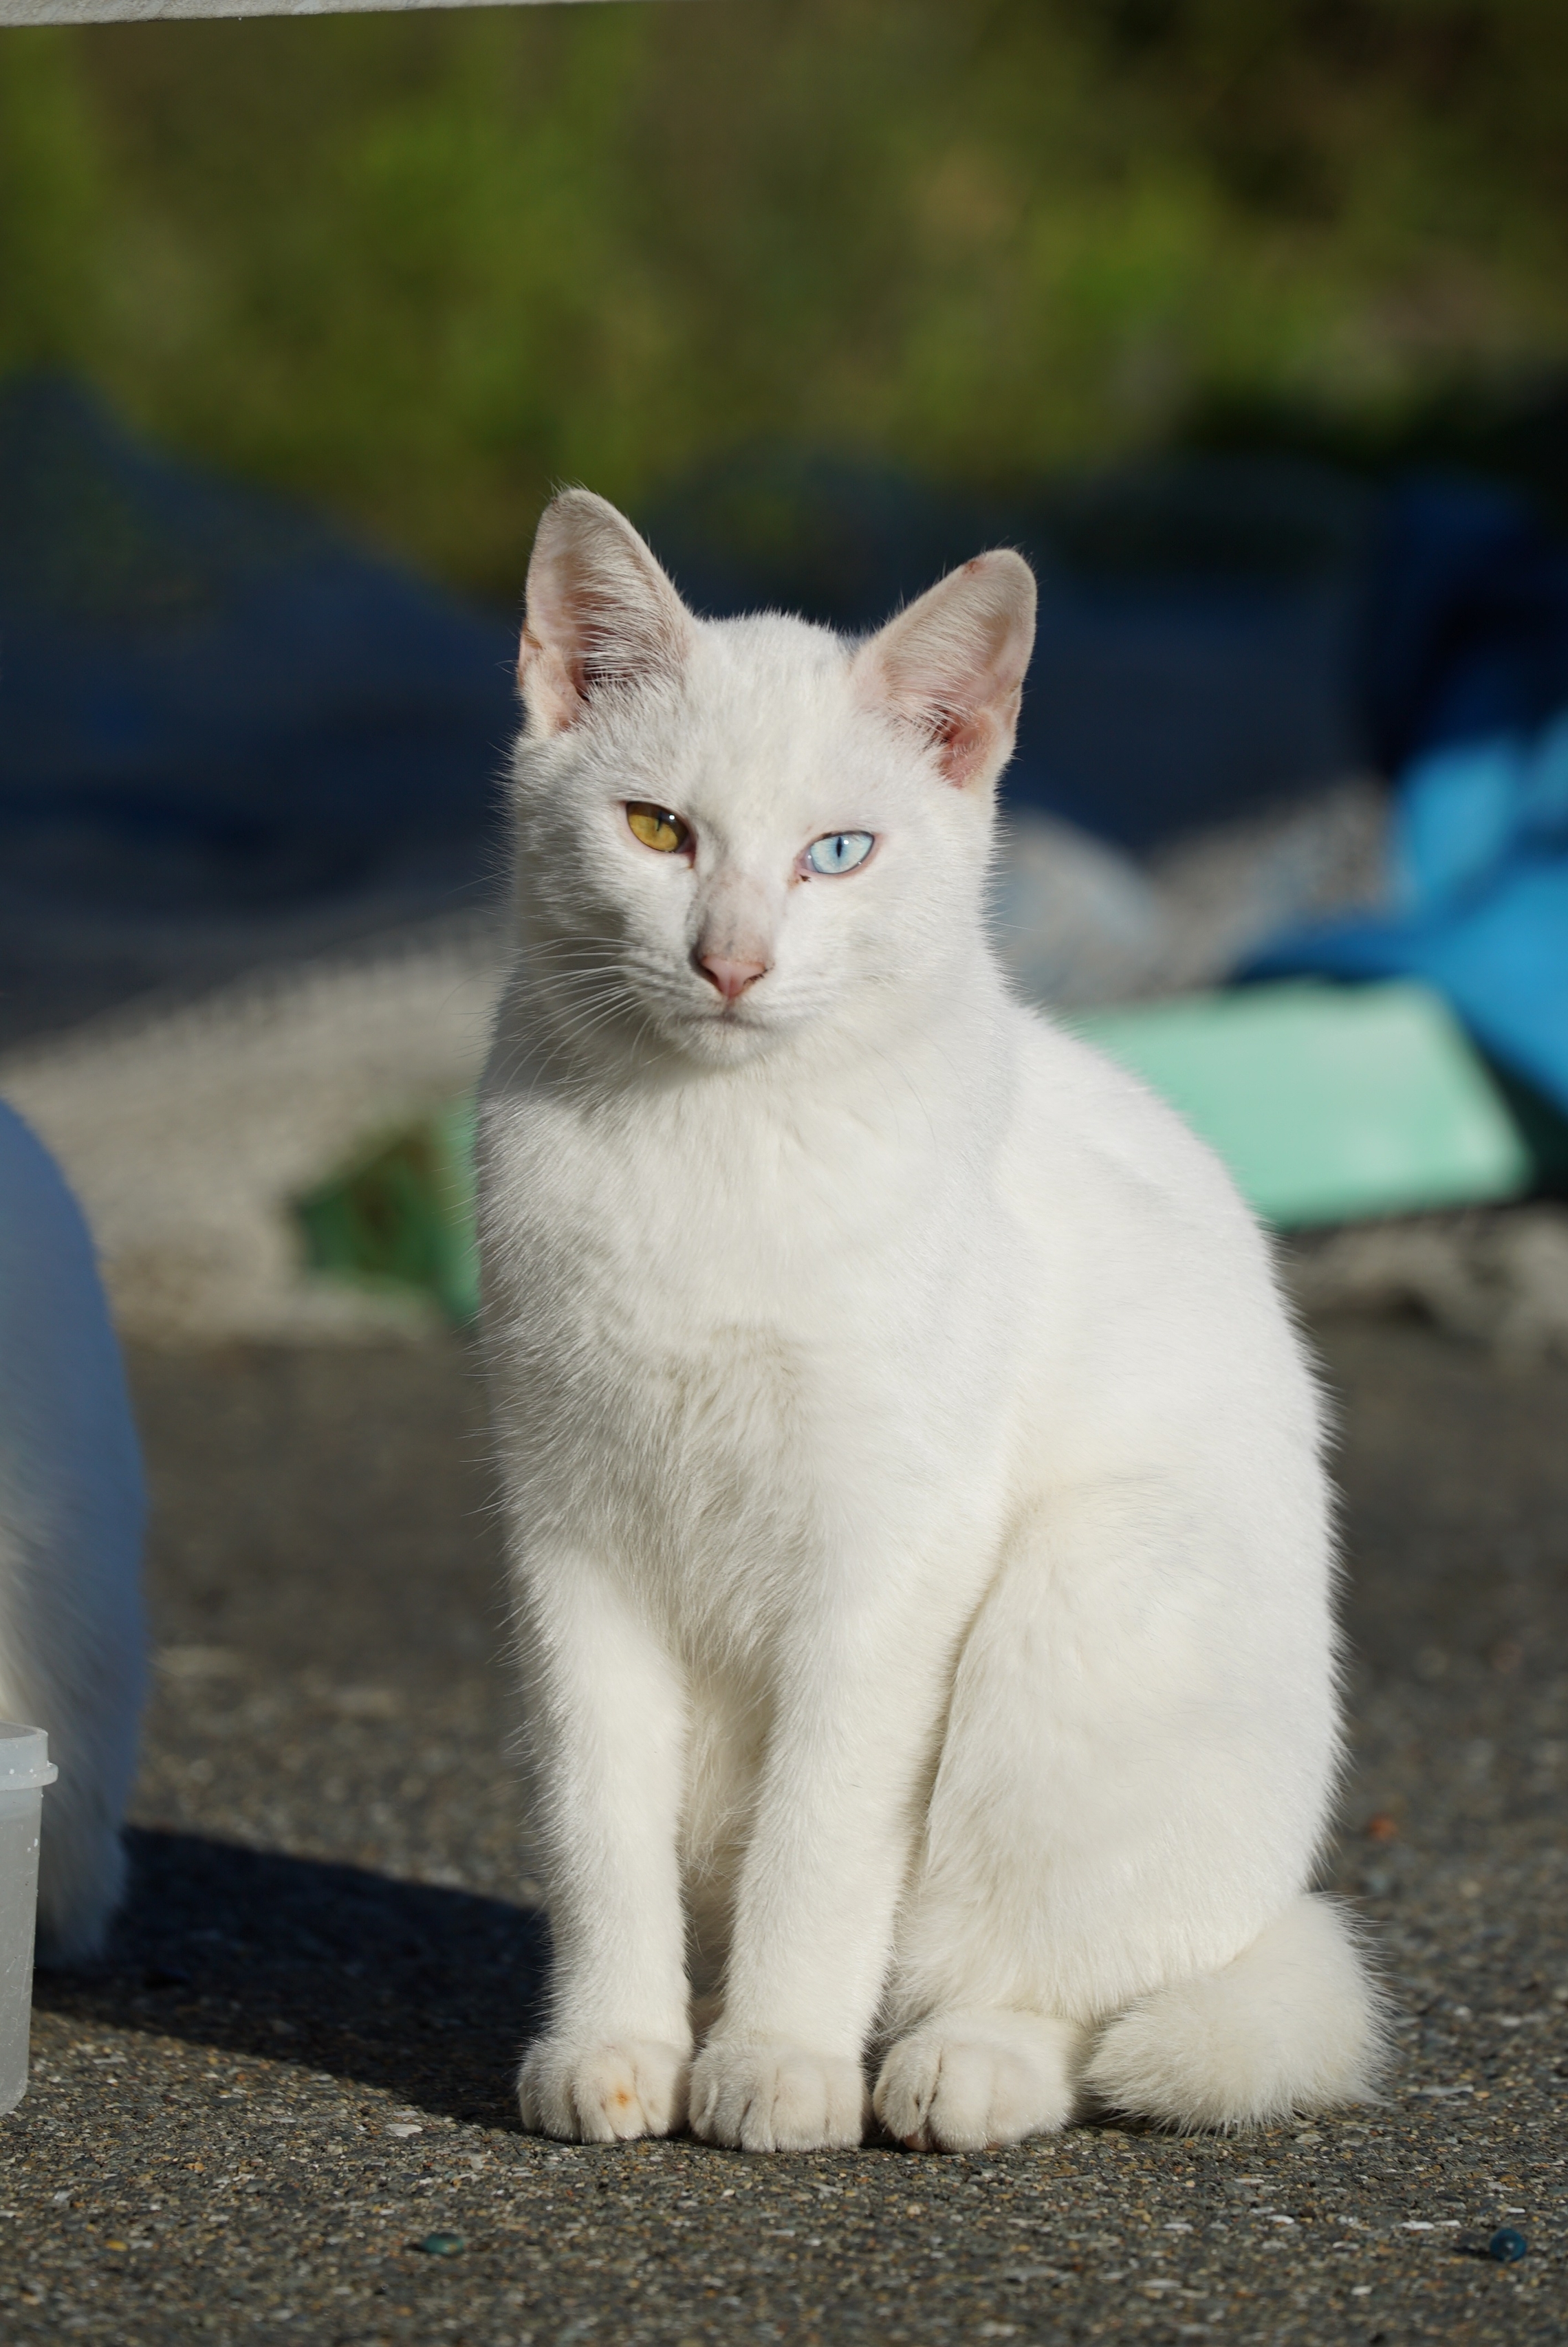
x=121 y=12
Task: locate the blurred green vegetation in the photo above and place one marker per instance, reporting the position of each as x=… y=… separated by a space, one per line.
x=417 y=268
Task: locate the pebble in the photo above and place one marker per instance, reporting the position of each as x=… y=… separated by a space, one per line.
x=442 y=2245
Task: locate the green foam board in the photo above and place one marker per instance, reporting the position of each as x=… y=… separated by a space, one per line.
x=1327 y=1102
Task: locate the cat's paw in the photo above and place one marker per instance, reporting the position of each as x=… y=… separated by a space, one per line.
x=769 y=2096
x=602 y=2093
x=969 y=2081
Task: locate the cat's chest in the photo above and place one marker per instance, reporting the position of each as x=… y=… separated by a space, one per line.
x=704 y=1291
x=664 y=1234
x=731 y=1355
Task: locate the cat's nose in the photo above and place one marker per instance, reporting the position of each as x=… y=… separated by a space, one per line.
x=730 y=977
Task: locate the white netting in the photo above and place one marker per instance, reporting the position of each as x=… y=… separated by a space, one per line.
x=187 y=1135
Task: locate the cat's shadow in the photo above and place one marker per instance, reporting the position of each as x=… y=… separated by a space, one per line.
x=424 y=1992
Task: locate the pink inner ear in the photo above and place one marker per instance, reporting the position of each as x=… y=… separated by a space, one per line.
x=601 y=611
x=951 y=667
x=554 y=695
x=967 y=744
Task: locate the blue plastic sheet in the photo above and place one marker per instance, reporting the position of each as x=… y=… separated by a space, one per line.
x=1474 y=688
x=1502 y=962
x=1466 y=630
x=210 y=701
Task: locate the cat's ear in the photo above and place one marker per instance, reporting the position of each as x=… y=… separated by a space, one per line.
x=600 y=612
x=951 y=667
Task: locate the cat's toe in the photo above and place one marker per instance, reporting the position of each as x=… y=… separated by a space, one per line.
x=965 y=2083
x=602 y=2093
x=777 y=2097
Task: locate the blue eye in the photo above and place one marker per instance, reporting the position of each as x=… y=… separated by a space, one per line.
x=840 y=851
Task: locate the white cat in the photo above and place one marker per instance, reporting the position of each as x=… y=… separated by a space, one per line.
x=922 y=1547
x=71 y=1635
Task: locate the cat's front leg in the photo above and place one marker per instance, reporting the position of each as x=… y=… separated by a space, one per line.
x=834 y=1820
x=607 y=1728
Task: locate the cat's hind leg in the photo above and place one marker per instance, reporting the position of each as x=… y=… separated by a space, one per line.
x=1132 y=1784
x=1293 y=2024
x=967 y=2081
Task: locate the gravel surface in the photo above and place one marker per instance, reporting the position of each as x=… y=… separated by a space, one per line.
x=281 y=2110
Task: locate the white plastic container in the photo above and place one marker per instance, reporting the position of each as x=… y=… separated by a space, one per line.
x=24 y=1771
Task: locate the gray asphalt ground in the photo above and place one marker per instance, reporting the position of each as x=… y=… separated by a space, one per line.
x=294 y=2068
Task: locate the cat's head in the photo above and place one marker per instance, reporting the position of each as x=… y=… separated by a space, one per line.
x=731 y=832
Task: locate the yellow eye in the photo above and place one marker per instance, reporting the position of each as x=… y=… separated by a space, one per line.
x=655 y=826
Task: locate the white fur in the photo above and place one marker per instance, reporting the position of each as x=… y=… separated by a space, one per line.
x=920 y=1540
x=71 y=1637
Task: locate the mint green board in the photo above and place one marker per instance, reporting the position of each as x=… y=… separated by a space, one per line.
x=1328 y=1103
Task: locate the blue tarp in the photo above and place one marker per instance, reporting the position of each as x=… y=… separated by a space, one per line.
x=210 y=701
x=1471 y=693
